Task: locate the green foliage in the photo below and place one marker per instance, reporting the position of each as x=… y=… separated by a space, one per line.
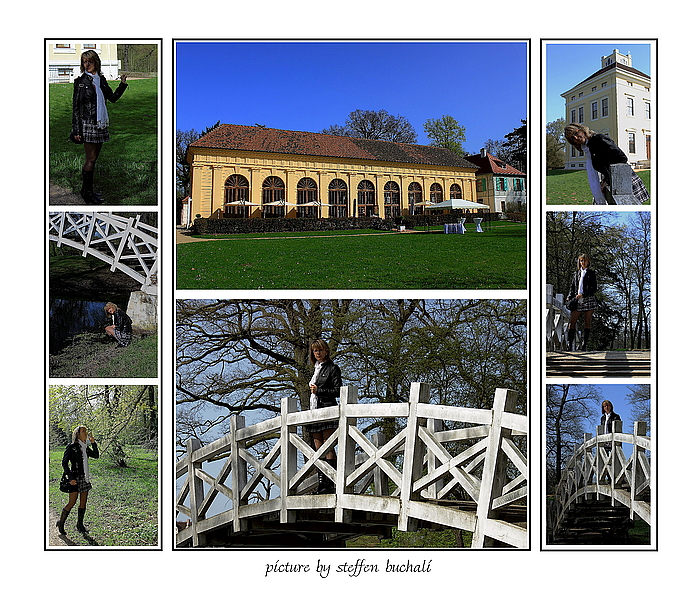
x=122 y=507
x=127 y=169
x=446 y=132
x=445 y=539
x=495 y=259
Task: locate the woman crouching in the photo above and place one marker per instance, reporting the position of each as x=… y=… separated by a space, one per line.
x=120 y=328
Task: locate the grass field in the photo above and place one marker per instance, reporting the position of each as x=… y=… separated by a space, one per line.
x=570 y=187
x=122 y=506
x=495 y=259
x=126 y=172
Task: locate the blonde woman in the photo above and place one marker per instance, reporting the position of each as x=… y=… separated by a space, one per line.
x=77 y=471
x=584 y=285
x=90 y=120
x=120 y=328
x=601 y=152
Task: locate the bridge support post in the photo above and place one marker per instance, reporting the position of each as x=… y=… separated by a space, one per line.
x=434 y=425
x=616 y=463
x=196 y=486
x=640 y=481
x=239 y=473
x=381 y=481
x=494 y=471
x=288 y=457
x=413 y=453
x=346 y=450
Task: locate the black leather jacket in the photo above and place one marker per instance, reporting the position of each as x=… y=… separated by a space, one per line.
x=604 y=152
x=328 y=384
x=73 y=459
x=85 y=99
x=590 y=284
x=122 y=322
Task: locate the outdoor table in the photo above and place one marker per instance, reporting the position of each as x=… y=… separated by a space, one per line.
x=454 y=228
x=477 y=221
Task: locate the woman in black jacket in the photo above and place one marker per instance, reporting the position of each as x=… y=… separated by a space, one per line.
x=583 y=287
x=325 y=388
x=75 y=467
x=601 y=152
x=120 y=328
x=608 y=417
x=90 y=119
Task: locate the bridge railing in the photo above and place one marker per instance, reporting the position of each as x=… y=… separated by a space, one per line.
x=556 y=321
x=479 y=460
x=600 y=468
x=125 y=243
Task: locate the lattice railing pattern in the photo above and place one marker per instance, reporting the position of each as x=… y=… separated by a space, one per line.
x=556 y=321
x=125 y=243
x=477 y=457
x=600 y=467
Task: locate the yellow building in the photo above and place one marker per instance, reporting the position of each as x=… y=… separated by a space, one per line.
x=242 y=171
x=63 y=59
x=615 y=101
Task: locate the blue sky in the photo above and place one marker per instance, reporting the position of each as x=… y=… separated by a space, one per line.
x=568 y=64
x=309 y=86
x=617 y=394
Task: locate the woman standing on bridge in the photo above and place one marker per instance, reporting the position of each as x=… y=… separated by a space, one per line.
x=120 y=328
x=325 y=388
x=77 y=473
x=600 y=152
x=90 y=119
x=583 y=287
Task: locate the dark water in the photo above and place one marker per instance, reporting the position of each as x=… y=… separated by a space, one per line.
x=68 y=317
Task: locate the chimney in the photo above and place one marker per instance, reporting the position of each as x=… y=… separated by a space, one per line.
x=482 y=153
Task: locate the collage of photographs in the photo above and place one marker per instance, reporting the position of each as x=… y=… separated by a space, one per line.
x=370 y=322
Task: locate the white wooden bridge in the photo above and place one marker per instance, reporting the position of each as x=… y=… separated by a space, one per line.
x=125 y=243
x=600 y=469
x=556 y=321
x=407 y=482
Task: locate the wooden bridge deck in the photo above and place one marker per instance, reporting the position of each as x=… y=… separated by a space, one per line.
x=605 y=363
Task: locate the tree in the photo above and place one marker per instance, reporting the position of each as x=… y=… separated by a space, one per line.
x=236 y=356
x=375 y=125
x=555 y=144
x=182 y=169
x=516 y=145
x=569 y=407
x=639 y=399
x=446 y=132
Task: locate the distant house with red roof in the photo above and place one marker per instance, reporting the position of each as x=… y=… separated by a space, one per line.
x=497 y=182
x=244 y=171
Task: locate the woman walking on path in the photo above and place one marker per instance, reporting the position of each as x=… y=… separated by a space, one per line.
x=601 y=152
x=77 y=471
x=325 y=388
x=583 y=287
x=90 y=120
x=120 y=328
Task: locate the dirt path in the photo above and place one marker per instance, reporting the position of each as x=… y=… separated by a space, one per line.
x=56 y=539
x=63 y=196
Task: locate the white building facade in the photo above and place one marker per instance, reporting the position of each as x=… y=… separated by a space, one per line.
x=63 y=60
x=615 y=101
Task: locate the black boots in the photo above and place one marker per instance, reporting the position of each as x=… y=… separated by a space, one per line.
x=60 y=523
x=586 y=334
x=325 y=483
x=570 y=339
x=79 y=525
x=86 y=191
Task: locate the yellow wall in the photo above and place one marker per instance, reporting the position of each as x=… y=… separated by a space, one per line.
x=211 y=167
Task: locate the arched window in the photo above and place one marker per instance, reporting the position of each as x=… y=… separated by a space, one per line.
x=236 y=195
x=338 y=198
x=436 y=193
x=455 y=192
x=366 y=199
x=307 y=192
x=273 y=192
x=415 y=195
x=392 y=199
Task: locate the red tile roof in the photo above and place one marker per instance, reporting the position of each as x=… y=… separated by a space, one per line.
x=492 y=165
x=278 y=141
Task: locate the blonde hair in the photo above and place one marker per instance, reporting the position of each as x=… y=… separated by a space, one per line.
x=572 y=128
x=316 y=345
x=94 y=58
x=585 y=257
x=76 y=431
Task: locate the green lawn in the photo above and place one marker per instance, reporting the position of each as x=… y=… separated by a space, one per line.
x=126 y=172
x=570 y=187
x=495 y=259
x=122 y=506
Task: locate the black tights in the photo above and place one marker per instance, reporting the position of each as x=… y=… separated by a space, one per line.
x=320 y=438
x=587 y=317
x=92 y=152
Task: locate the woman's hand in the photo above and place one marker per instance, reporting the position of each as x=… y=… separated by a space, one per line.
x=91 y=438
x=73 y=482
x=313 y=388
x=579 y=296
x=123 y=78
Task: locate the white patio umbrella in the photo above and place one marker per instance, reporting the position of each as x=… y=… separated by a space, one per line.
x=457 y=204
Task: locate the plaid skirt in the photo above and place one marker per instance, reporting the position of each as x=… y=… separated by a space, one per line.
x=321 y=426
x=588 y=303
x=94 y=134
x=124 y=338
x=83 y=485
x=638 y=188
